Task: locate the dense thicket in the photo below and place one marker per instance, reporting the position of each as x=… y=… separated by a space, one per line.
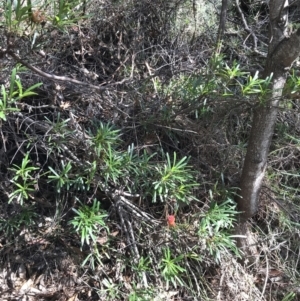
x=124 y=127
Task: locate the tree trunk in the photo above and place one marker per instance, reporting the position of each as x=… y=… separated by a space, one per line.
x=222 y=22
x=282 y=52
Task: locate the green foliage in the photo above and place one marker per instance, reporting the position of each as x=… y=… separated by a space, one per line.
x=125 y=168
x=231 y=73
x=214 y=226
x=15 y=13
x=170 y=268
x=293 y=84
x=171 y=180
x=87 y=221
x=142 y=266
x=107 y=137
x=24 y=171
x=113 y=165
x=21 y=192
x=94 y=258
x=15 y=93
x=111 y=290
x=175 y=180
x=258 y=86
x=235 y=81
x=3 y=105
x=14 y=223
x=61 y=178
x=219 y=78
x=23 y=179
x=90 y=172
x=289 y=296
x=144 y=170
x=101 y=163
x=16 y=89
x=141 y=294
x=60 y=126
x=65 y=12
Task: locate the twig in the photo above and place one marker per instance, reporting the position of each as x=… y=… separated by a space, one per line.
x=61 y=78
x=51 y=76
x=246 y=26
x=131 y=242
x=266 y=280
x=278 y=203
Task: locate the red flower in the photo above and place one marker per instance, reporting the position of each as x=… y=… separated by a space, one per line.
x=171 y=220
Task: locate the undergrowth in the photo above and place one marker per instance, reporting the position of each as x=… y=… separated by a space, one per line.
x=89 y=179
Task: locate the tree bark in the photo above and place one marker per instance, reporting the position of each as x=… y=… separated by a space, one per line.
x=282 y=52
x=222 y=22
